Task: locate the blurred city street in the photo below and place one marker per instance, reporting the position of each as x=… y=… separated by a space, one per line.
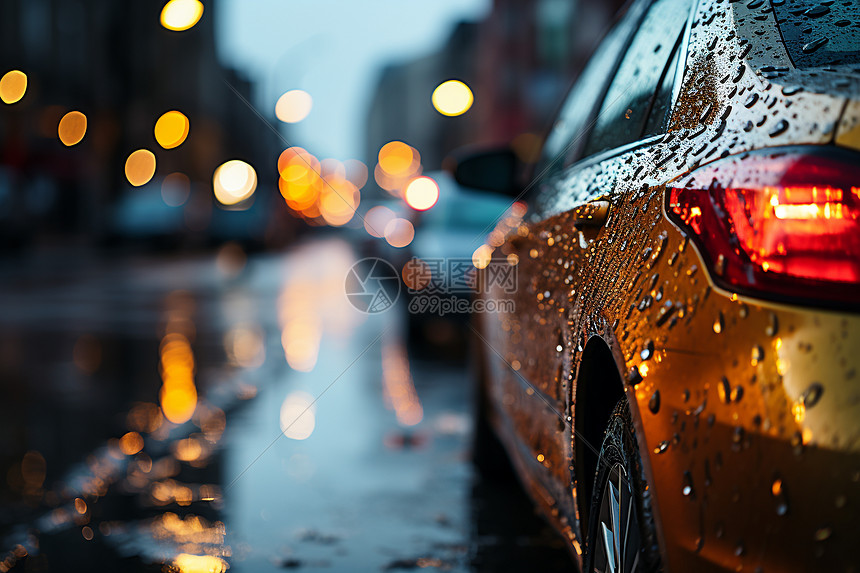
x=331 y=451
x=184 y=187
x=480 y=286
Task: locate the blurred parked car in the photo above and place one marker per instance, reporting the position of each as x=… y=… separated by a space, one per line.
x=446 y=236
x=148 y=216
x=678 y=384
x=453 y=227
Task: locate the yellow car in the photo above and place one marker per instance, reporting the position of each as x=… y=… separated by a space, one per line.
x=679 y=383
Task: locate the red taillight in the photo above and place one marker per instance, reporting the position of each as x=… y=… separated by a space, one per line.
x=781 y=224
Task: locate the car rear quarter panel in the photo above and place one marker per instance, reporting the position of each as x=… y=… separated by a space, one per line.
x=747 y=410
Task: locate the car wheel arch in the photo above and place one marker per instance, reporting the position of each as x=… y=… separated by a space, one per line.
x=598 y=387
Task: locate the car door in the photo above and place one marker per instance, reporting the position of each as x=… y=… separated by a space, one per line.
x=614 y=103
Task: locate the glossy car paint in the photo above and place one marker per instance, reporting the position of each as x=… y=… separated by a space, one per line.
x=747 y=410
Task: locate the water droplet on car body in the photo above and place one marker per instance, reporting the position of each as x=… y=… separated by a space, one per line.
x=719 y=323
x=814 y=45
x=647 y=350
x=654 y=402
x=687 y=485
x=812 y=395
x=724 y=391
x=816 y=11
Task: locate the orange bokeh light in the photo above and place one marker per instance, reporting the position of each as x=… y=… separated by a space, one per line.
x=131 y=443
x=396 y=158
x=140 y=167
x=72 y=128
x=13 y=86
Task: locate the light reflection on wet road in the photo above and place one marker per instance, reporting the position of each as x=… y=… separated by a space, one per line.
x=375 y=475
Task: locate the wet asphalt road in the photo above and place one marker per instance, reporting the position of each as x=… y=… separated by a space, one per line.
x=316 y=444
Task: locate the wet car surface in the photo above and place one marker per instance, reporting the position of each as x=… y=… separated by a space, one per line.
x=726 y=358
x=228 y=488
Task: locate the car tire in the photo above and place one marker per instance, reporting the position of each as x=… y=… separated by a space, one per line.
x=622 y=536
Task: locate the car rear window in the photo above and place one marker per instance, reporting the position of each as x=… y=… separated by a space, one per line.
x=819 y=34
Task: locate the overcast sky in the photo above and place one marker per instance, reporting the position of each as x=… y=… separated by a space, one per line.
x=334 y=50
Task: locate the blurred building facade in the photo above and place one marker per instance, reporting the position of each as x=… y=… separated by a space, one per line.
x=114 y=62
x=519 y=61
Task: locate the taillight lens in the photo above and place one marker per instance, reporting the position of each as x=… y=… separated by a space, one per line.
x=783 y=224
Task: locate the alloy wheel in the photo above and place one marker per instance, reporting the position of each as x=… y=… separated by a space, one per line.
x=618 y=543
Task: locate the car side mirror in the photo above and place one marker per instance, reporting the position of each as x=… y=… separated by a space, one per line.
x=494 y=170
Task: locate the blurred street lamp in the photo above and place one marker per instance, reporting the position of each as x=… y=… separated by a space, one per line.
x=482 y=256
x=421 y=193
x=72 y=128
x=452 y=98
x=397 y=158
x=13 y=84
x=180 y=15
x=171 y=129
x=293 y=106
x=234 y=181
x=140 y=167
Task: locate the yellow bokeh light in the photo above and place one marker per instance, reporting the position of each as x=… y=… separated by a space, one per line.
x=421 y=193
x=295 y=163
x=187 y=563
x=301 y=196
x=482 y=256
x=140 y=167
x=399 y=232
x=13 y=85
x=293 y=106
x=338 y=202
x=179 y=15
x=72 y=128
x=234 y=182
x=301 y=341
x=452 y=98
x=178 y=394
x=187 y=450
x=171 y=129
x=178 y=401
x=396 y=158
x=298 y=415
